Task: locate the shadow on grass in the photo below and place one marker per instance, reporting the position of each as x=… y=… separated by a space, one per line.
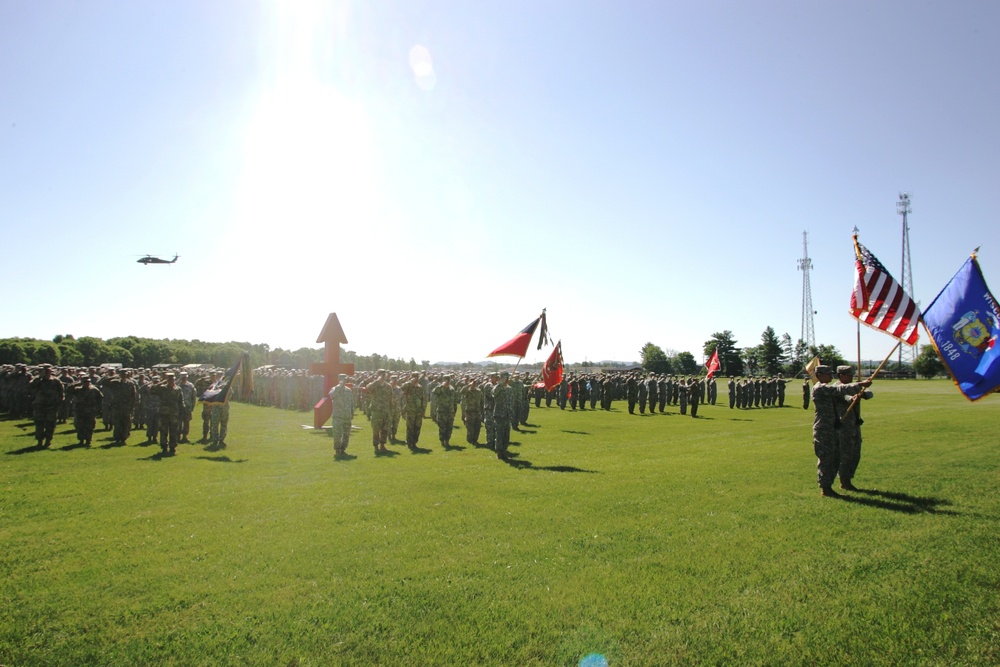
x=576 y=432
x=452 y=448
x=158 y=456
x=420 y=450
x=344 y=457
x=899 y=502
x=524 y=430
x=27 y=450
x=111 y=444
x=75 y=445
x=219 y=459
x=515 y=461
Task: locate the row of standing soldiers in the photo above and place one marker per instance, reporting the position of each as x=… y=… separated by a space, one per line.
x=161 y=405
x=497 y=401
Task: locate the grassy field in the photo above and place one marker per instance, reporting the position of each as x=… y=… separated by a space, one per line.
x=648 y=540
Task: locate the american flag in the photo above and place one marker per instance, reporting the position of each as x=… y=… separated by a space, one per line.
x=879 y=301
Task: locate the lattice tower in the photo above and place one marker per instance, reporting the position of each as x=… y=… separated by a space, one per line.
x=805 y=264
x=907 y=353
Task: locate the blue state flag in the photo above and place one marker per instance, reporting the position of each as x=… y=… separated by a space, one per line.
x=963 y=324
x=219 y=392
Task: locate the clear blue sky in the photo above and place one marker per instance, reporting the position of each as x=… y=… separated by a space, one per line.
x=438 y=172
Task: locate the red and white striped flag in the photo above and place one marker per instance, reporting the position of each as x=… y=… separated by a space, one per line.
x=879 y=301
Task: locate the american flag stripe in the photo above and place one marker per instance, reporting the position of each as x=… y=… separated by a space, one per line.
x=880 y=302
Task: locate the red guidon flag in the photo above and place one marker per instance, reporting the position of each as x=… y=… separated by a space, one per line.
x=518 y=345
x=713 y=363
x=552 y=371
x=879 y=301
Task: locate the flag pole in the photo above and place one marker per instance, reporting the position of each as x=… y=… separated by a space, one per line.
x=857 y=396
x=858 y=325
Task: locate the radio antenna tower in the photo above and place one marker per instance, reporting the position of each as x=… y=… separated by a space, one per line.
x=903 y=209
x=808 y=331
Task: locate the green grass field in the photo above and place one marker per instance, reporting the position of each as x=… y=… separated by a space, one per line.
x=649 y=540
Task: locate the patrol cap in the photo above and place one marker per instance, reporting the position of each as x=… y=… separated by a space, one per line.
x=504 y=374
x=845 y=369
x=823 y=369
x=342 y=376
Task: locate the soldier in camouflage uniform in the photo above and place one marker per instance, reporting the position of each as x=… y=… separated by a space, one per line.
x=190 y=400
x=488 y=410
x=502 y=407
x=149 y=405
x=342 y=404
x=397 y=408
x=379 y=397
x=472 y=412
x=200 y=387
x=443 y=401
x=170 y=403
x=47 y=395
x=87 y=401
x=517 y=394
x=826 y=397
x=414 y=404
x=694 y=396
x=124 y=398
x=849 y=433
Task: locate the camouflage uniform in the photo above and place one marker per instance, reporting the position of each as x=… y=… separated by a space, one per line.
x=849 y=433
x=170 y=406
x=472 y=412
x=87 y=401
x=124 y=397
x=190 y=400
x=342 y=404
x=201 y=385
x=414 y=404
x=219 y=426
x=443 y=410
x=489 y=406
x=694 y=396
x=502 y=400
x=826 y=397
x=47 y=395
x=379 y=397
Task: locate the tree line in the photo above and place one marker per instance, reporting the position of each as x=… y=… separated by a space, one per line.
x=775 y=354
x=136 y=352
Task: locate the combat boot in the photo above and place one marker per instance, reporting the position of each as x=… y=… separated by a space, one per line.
x=828 y=492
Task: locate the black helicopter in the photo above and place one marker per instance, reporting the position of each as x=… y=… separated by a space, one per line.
x=149 y=259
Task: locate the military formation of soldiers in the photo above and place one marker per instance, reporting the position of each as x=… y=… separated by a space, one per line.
x=745 y=393
x=163 y=404
x=158 y=403
x=498 y=401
